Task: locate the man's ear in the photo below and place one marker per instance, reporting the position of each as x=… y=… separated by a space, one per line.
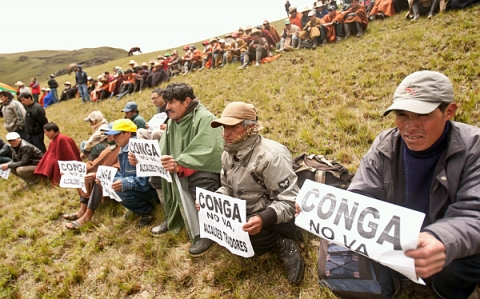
x=450 y=111
x=188 y=100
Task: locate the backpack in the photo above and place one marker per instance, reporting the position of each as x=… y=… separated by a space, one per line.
x=346 y=273
x=317 y=168
x=307 y=44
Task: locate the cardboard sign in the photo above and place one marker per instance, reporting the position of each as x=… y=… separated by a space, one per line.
x=5 y=173
x=156 y=121
x=73 y=173
x=105 y=175
x=148 y=156
x=221 y=219
x=376 y=229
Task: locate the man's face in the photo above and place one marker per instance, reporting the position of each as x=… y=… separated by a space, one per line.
x=288 y=26
x=15 y=142
x=129 y=114
x=331 y=13
x=3 y=98
x=293 y=14
x=232 y=133
x=354 y=4
x=176 y=110
x=122 y=138
x=255 y=37
x=157 y=100
x=49 y=134
x=26 y=101
x=312 y=18
x=266 y=25
x=421 y=131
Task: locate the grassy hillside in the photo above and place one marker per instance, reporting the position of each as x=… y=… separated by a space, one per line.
x=326 y=101
x=23 y=66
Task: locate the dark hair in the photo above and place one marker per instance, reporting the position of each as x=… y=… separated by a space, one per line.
x=158 y=91
x=178 y=91
x=6 y=94
x=443 y=106
x=25 y=95
x=51 y=126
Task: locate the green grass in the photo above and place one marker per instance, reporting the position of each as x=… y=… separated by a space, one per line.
x=327 y=101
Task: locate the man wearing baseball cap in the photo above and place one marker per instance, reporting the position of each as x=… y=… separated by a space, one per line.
x=25 y=157
x=136 y=193
x=430 y=163
x=259 y=171
x=132 y=113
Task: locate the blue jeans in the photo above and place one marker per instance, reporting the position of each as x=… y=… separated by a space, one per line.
x=141 y=203
x=54 y=95
x=82 y=88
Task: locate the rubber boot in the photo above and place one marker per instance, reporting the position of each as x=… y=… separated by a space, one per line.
x=433 y=8
x=416 y=12
x=359 y=29
x=292 y=259
x=347 y=30
x=299 y=43
x=315 y=43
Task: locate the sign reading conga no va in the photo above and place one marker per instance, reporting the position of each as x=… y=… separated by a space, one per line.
x=4 y=173
x=148 y=156
x=105 y=175
x=373 y=228
x=221 y=219
x=72 y=174
x=156 y=121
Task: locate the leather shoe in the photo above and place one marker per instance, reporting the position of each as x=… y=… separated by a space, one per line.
x=292 y=259
x=146 y=220
x=159 y=230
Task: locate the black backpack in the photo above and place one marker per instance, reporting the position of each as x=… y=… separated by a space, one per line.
x=317 y=168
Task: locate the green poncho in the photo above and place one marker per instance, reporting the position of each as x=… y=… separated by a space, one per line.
x=196 y=145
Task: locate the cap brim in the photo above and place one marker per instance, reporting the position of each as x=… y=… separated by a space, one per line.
x=113 y=132
x=227 y=121
x=126 y=110
x=414 y=106
x=86 y=119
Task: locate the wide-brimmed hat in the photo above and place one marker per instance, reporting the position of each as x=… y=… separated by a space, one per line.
x=235 y=113
x=306 y=9
x=256 y=31
x=19 y=83
x=422 y=92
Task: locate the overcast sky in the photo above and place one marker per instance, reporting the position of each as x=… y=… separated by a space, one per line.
x=29 y=25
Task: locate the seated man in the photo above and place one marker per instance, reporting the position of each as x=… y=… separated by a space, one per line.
x=290 y=39
x=127 y=84
x=25 y=157
x=175 y=64
x=90 y=200
x=382 y=9
x=132 y=113
x=5 y=152
x=430 y=164
x=207 y=53
x=259 y=171
x=196 y=58
x=257 y=49
x=136 y=193
x=219 y=59
x=187 y=59
x=422 y=7
x=157 y=76
x=311 y=30
x=69 y=92
x=61 y=148
x=332 y=26
x=191 y=151
x=355 y=19
x=92 y=147
x=273 y=31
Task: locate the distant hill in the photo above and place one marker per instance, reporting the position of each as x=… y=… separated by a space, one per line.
x=39 y=64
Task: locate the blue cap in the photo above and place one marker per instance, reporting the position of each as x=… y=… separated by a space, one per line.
x=130 y=106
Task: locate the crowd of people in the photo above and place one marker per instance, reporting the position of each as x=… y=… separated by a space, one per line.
x=427 y=163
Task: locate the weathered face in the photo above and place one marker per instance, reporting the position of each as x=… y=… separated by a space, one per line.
x=176 y=110
x=26 y=101
x=157 y=100
x=3 y=98
x=15 y=142
x=255 y=37
x=331 y=13
x=129 y=114
x=122 y=138
x=313 y=18
x=232 y=133
x=49 y=134
x=421 y=131
x=354 y=4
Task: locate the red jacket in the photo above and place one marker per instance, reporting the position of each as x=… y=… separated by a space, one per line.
x=35 y=87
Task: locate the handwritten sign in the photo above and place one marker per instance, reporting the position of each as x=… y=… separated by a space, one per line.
x=156 y=121
x=72 y=174
x=373 y=228
x=221 y=219
x=105 y=175
x=4 y=173
x=148 y=155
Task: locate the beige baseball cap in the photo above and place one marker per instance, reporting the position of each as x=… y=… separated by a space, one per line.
x=235 y=113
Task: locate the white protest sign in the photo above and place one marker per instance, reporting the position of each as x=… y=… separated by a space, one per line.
x=4 y=173
x=156 y=121
x=221 y=219
x=72 y=174
x=148 y=155
x=373 y=228
x=105 y=175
